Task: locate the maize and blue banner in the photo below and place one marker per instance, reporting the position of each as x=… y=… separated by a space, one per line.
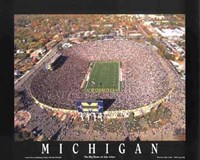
x=90 y=106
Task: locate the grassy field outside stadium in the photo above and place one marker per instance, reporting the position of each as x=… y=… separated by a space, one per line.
x=104 y=77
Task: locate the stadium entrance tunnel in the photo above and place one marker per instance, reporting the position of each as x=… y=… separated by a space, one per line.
x=107 y=103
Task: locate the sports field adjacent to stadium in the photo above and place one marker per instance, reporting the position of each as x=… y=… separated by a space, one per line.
x=104 y=77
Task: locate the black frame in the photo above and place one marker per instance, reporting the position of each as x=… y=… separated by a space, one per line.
x=18 y=150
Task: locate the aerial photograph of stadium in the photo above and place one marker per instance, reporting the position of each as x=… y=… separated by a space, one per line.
x=99 y=77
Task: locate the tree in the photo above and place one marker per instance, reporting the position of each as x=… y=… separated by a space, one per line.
x=152 y=40
x=134 y=27
x=23 y=135
x=16 y=93
x=22 y=56
x=183 y=36
x=181 y=58
x=59 y=47
x=30 y=39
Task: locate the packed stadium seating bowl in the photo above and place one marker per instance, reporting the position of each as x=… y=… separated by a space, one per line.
x=144 y=79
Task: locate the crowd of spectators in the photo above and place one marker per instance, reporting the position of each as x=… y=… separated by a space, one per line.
x=143 y=76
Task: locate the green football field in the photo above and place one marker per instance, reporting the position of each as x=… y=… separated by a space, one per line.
x=104 y=77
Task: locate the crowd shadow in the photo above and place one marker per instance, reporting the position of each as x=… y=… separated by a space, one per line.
x=62 y=60
x=55 y=136
x=107 y=103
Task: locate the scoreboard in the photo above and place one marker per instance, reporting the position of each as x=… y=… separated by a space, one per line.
x=90 y=106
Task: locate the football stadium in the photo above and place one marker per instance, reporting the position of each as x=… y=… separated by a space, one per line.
x=127 y=73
